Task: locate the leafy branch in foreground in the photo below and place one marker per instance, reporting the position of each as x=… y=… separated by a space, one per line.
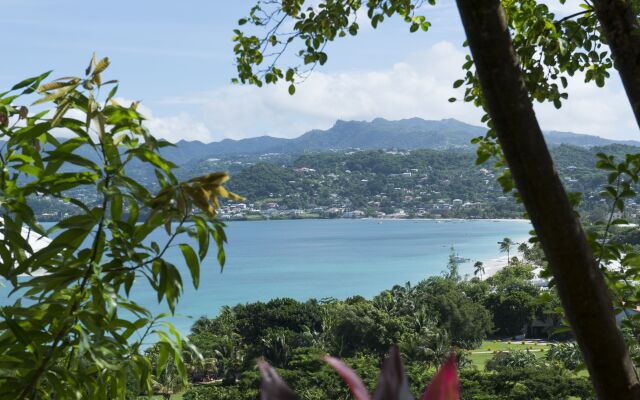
x=72 y=330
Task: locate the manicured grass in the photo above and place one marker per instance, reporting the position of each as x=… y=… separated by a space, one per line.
x=480 y=355
x=505 y=345
x=480 y=359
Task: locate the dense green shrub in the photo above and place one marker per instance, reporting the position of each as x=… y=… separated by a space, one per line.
x=527 y=383
x=511 y=359
x=567 y=354
x=215 y=392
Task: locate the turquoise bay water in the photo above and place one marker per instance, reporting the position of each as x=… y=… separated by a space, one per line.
x=302 y=259
x=330 y=258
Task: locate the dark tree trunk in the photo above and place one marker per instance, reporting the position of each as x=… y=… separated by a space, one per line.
x=581 y=285
x=620 y=26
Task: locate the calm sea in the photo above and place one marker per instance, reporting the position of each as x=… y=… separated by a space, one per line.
x=333 y=258
x=327 y=258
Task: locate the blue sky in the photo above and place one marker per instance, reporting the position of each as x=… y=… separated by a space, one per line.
x=177 y=58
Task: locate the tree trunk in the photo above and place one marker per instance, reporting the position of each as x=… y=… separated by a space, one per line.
x=621 y=28
x=581 y=285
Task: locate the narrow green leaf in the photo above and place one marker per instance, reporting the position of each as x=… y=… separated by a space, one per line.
x=193 y=263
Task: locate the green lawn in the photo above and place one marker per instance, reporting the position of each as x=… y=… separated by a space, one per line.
x=504 y=345
x=480 y=355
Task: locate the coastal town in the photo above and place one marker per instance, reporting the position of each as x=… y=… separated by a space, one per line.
x=389 y=184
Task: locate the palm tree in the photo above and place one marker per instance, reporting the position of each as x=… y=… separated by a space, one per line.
x=478 y=268
x=505 y=247
x=276 y=347
x=232 y=358
x=523 y=248
x=168 y=382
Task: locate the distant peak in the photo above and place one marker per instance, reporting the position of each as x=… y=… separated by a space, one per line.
x=378 y=120
x=184 y=141
x=452 y=121
x=340 y=122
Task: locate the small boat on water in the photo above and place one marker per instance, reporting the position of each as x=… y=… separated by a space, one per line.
x=459 y=259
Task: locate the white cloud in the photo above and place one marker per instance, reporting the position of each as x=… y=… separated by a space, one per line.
x=416 y=87
x=177 y=127
x=180 y=126
x=603 y=111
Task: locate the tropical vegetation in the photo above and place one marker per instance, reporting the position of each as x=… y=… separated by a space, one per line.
x=424 y=320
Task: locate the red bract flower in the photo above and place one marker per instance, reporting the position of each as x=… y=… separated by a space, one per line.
x=392 y=381
x=445 y=384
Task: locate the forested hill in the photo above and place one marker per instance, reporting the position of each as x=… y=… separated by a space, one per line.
x=419 y=183
x=407 y=134
x=427 y=183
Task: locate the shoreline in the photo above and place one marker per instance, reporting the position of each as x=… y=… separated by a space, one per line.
x=381 y=219
x=497 y=219
x=495 y=264
x=442 y=219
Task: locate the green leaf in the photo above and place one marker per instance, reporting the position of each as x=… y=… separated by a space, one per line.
x=192 y=262
x=116 y=207
x=162 y=357
x=29 y=133
x=203 y=239
x=20 y=334
x=155 y=159
x=29 y=81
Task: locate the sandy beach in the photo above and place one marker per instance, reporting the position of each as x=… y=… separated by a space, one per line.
x=493 y=265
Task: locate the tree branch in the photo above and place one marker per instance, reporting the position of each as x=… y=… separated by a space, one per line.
x=568 y=17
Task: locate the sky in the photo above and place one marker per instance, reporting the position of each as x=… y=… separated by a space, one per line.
x=177 y=59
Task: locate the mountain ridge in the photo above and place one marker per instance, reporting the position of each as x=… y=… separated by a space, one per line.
x=379 y=133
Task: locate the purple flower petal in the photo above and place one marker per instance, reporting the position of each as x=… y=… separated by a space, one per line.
x=352 y=379
x=392 y=381
x=272 y=386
